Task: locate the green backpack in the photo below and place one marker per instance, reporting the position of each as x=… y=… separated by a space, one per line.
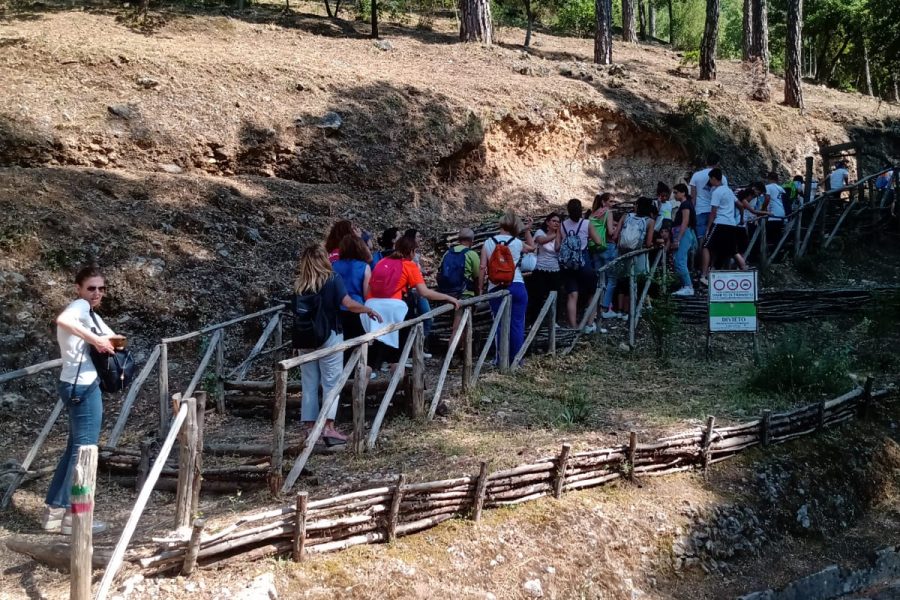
x=599 y=225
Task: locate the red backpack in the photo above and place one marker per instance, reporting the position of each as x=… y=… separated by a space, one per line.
x=501 y=269
x=385 y=281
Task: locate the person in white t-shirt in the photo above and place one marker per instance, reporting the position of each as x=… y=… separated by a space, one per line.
x=701 y=192
x=721 y=242
x=775 y=206
x=839 y=177
x=77 y=328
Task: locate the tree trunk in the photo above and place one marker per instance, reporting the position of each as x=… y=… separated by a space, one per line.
x=793 y=92
x=896 y=87
x=475 y=21
x=642 y=19
x=651 y=20
x=747 y=31
x=671 y=25
x=761 y=32
x=530 y=19
x=867 y=71
x=327 y=8
x=374 y=19
x=603 y=32
x=708 y=43
x=628 y=21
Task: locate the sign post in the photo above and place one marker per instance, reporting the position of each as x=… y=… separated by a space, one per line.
x=732 y=304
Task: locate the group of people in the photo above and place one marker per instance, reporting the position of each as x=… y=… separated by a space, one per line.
x=346 y=287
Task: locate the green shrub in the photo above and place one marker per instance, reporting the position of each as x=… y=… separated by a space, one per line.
x=802 y=367
x=574 y=409
x=662 y=319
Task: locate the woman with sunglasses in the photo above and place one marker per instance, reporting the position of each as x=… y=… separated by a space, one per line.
x=78 y=327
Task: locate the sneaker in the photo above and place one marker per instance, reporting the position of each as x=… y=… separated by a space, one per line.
x=372 y=376
x=685 y=291
x=426 y=355
x=704 y=281
x=589 y=329
x=96 y=527
x=610 y=314
x=623 y=316
x=52 y=518
x=604 y=330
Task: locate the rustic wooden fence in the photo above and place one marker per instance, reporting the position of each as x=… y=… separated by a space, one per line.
x=399 y=508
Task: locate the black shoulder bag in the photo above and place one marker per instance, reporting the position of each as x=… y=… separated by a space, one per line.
x=115 y=371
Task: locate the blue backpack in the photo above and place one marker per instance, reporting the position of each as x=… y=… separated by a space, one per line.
x=452 y=277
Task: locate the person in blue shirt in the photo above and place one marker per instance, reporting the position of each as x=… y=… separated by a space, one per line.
x=353 y=267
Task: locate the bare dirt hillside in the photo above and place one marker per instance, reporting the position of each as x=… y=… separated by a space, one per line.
x=222 y=142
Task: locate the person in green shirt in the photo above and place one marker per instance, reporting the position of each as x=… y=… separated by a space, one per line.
x=460 y=268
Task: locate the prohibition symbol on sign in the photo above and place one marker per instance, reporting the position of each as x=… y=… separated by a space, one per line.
x=732 y=285
x=719 y=285
x=746 y=284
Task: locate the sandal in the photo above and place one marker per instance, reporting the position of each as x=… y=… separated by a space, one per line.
x=331 y=441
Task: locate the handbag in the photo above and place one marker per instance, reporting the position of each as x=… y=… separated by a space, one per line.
x=114 y=371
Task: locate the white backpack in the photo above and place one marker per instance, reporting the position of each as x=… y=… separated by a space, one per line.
x=633 y=232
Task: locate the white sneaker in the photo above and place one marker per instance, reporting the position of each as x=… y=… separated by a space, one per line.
x=704 y=281
x=96 y=526
x=685 y=291
x=623 y=316
x=610 y=314
x=426 y=355
x=589 y=329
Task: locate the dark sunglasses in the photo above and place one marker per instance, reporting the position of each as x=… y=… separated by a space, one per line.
x=94 y=288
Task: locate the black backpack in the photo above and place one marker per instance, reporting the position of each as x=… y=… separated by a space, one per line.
x=114 y=371
x=311 y=329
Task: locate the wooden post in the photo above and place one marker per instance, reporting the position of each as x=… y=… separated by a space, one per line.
x=505 y=325
x=220 y=374
x=551 y=326
x=360 y=382
x=416 y=408
x=279 y=331
x=445 y=366
x=820 y=235
x=632 y=292
x=393 y=515
x=144 y=463
x=807 y=198
x=867 y=399
x=763 y=243
x=492 y=334
x=468 y=343
x=480 y=491
x=629 y=454
x=82 y=498
x=299 y=549
x=278 y=416
x=561 y=462
x=764 y=427
x=707 y=442
x=198 y=453
x=187 y=438
x=163 y=391
x=193 y=548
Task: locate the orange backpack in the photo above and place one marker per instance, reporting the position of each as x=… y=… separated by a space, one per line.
x=501 y=269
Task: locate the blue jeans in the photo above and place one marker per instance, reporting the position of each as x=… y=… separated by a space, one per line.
x=324 y=372
x=519 y=300
x=688 y=243
x=601 y=260
x=85 y=408
x=702 y=224
x=424 y=307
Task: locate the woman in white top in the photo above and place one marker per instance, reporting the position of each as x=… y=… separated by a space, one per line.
x=510 y=226
x=545 y=277
x=78 y=327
